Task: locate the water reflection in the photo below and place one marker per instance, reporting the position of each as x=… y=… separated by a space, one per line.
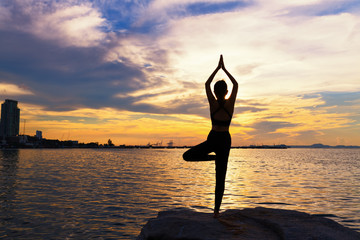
x=111 y=193
x=9 y=164
x=314 y=181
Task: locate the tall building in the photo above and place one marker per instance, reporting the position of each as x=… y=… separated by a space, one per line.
x=39 y=134
x=10 y=119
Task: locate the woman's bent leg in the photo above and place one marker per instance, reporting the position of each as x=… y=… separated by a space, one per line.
x=198 y=153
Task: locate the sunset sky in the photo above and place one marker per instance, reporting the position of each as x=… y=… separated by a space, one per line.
x=134 y=71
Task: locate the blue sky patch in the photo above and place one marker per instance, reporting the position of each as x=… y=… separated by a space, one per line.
x=340 y=98
x=206 y=8
x=341 y=8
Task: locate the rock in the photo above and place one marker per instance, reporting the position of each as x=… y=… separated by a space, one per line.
x=250 y=223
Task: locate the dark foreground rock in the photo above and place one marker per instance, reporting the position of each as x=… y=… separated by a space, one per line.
x=251 y=223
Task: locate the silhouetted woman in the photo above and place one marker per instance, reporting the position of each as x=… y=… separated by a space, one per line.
x=219 y=139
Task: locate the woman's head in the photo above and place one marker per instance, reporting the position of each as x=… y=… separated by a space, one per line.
x=220 y=89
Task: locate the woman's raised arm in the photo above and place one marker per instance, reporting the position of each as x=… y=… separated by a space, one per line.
x=209 y=94
x=233 y=94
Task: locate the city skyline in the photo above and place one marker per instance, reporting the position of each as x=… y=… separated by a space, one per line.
x=134 y=72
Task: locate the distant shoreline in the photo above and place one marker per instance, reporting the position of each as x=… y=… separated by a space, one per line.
x=281 y=146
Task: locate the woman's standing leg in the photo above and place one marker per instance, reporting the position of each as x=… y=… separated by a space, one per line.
x=222 y=155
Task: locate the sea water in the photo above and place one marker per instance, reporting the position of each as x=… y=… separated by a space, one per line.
x=111 y=193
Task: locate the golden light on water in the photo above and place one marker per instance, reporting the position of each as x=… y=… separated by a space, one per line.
x=129 y=186
x=290 y=184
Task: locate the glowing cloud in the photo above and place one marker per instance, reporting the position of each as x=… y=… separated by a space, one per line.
x=72 y=26
x=7 y=89
x=67 y=24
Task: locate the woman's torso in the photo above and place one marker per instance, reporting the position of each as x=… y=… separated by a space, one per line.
x=221 y=114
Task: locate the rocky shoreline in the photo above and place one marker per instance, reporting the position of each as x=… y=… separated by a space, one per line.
x=250 y=223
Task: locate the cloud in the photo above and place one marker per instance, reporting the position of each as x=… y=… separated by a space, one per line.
x=284 y=54
x=65 y=78
x=341 y=103
x=7 y=89
x=160 y=11
x=270 y=127
x=256 y=44
x=57 y=48
x=265 y=132
x=72 y=26
x=239 y=110
x=310 y=136
x=308 y=7
x=67 y=23
x=340 y=98
x=5 y=16
x=88 y=124
x=153 y=57
x=293 y=119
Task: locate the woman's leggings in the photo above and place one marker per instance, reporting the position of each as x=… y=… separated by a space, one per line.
x=220 y=143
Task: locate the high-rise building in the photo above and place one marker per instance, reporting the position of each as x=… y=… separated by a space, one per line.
x=10 y=119
x=39 y=134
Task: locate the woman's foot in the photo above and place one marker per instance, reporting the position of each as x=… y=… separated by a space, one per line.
x=216 y=214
